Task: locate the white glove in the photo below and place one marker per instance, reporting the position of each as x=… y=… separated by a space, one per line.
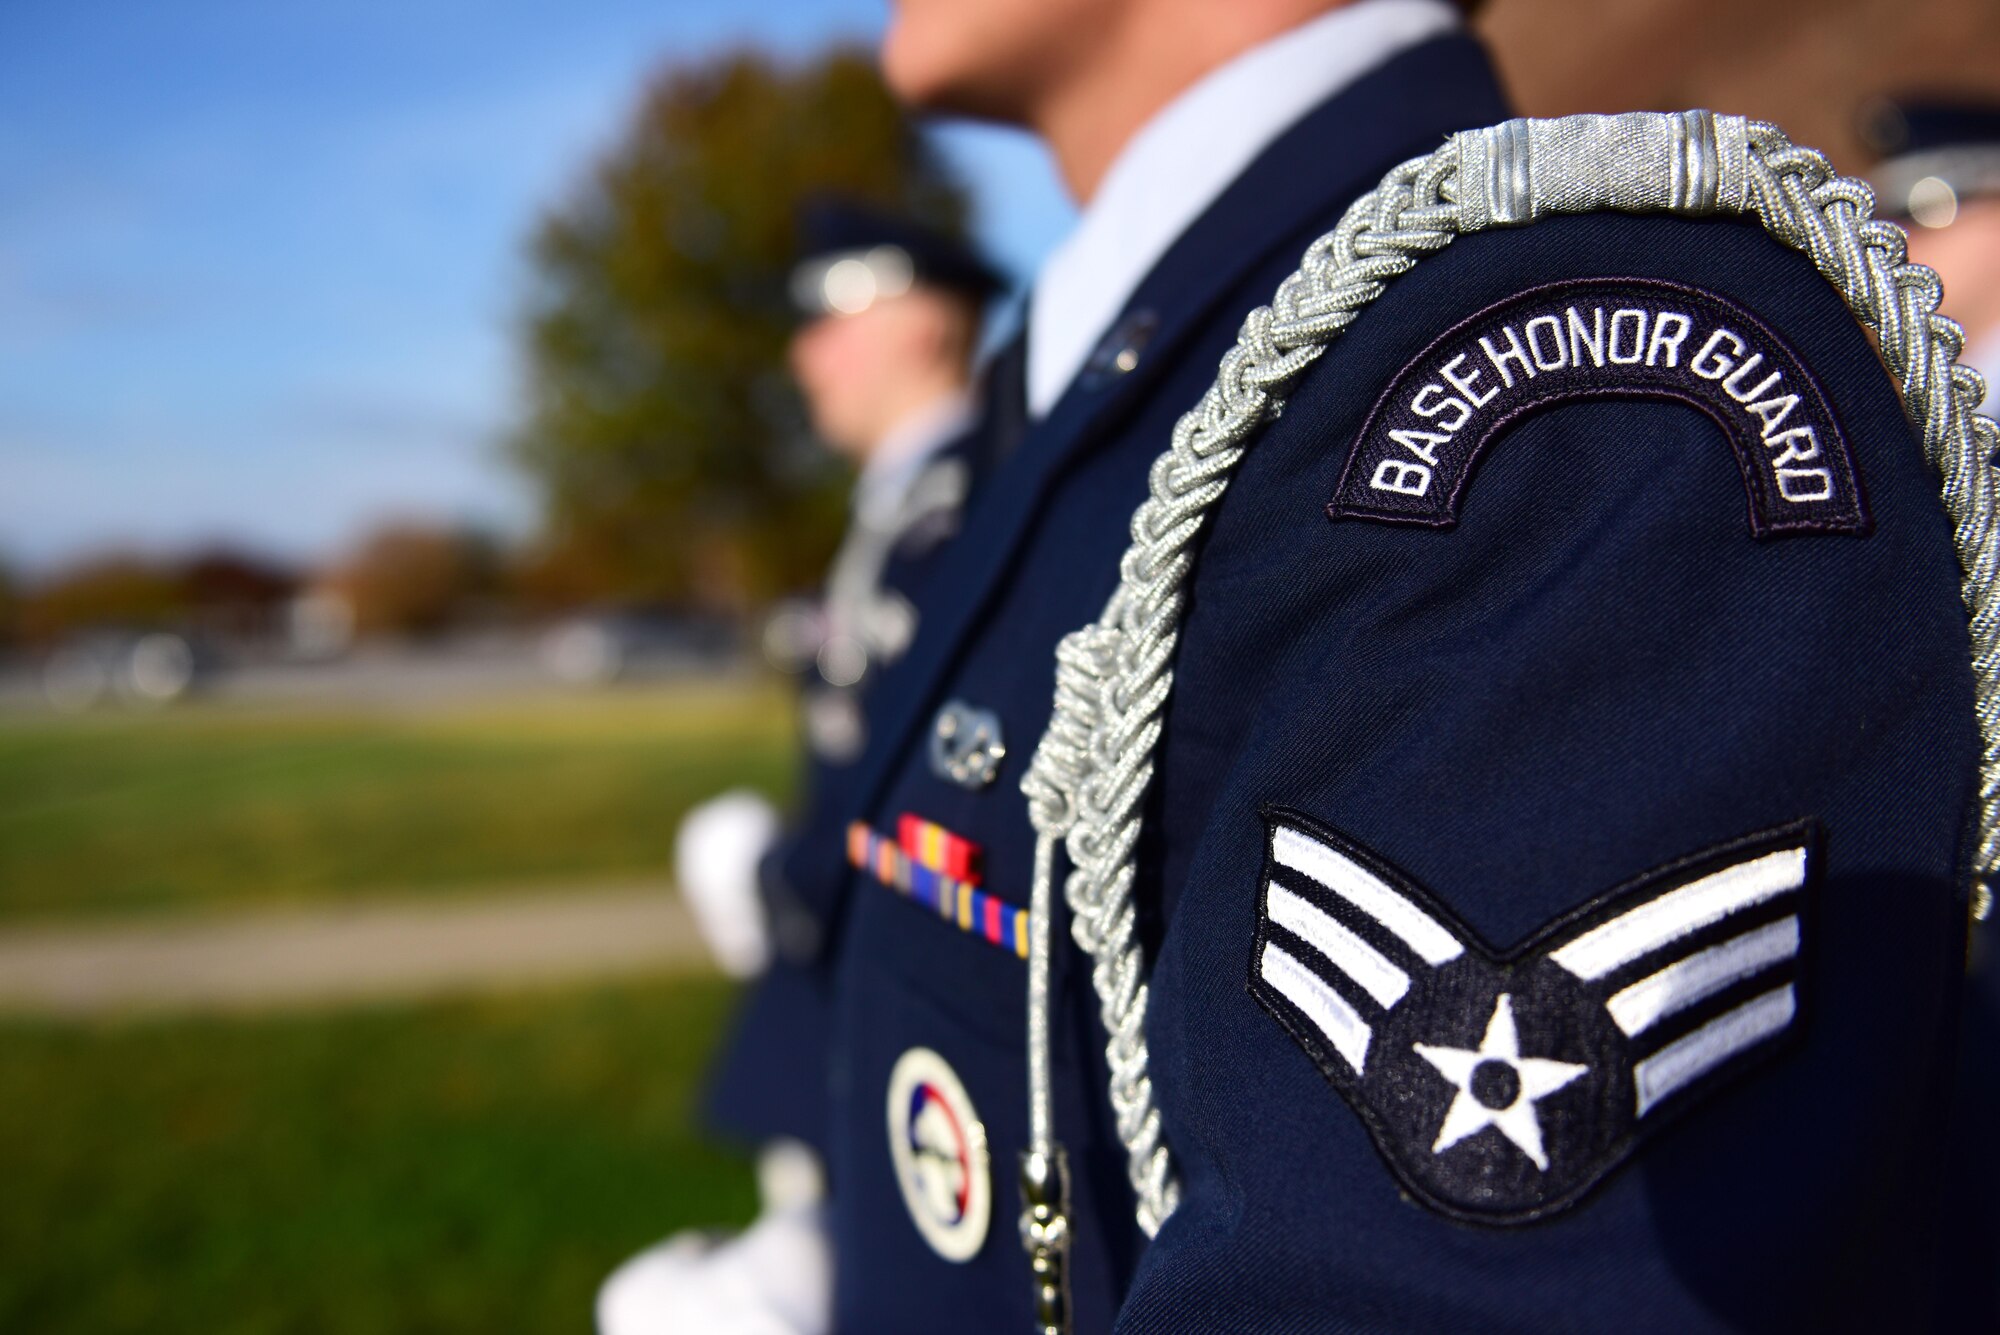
x=716 y=852
x=775 y=1278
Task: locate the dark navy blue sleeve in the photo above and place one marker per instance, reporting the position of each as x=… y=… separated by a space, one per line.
x=769 y=1079
x=1564 y=905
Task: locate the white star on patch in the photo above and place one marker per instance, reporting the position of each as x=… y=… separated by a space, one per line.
x=1507 y=1086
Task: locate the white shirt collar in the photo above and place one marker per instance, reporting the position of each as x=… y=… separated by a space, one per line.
x=901 y=454
x=1185 y=156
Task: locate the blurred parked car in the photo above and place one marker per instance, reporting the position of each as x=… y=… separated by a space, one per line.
x=598 y=647
x=141 y=667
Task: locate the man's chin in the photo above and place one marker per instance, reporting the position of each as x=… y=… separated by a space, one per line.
x=929 y=80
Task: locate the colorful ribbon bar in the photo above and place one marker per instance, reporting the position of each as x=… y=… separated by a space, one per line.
x=939 y=849
x=956 y=901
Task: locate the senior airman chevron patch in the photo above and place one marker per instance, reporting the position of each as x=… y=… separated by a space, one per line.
x=1500 y=1087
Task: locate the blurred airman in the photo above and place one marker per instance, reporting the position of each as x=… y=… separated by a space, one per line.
x=892 y=312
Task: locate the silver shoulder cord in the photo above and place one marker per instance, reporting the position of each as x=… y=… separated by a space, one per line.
x=1113 y=677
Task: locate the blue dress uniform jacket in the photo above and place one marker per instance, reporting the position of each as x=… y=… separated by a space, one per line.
x=1602 y=685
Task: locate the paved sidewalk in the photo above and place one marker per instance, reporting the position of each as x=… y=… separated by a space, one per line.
x=349 y=953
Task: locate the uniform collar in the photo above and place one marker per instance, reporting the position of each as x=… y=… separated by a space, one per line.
x=1185 y=157
x=902 y=453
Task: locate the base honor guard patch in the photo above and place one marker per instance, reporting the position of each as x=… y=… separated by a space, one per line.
x=1500 y=1087
x=1605 y=338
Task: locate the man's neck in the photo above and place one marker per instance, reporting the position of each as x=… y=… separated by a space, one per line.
x=1146 y=63
x=1184 y=157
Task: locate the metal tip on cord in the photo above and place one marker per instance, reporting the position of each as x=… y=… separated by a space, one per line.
x=1045 y=1235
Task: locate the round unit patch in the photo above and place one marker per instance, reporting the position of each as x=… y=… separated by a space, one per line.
x=939 y=1148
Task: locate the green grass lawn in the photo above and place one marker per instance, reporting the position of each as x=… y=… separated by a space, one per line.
x=475 y=1167
x=212 y=805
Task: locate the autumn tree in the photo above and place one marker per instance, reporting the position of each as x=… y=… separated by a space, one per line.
x=409 y=578
x=122 y=589
x=660 y=425
x=215 y=591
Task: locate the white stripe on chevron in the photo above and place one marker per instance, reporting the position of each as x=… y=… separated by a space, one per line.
x=1677 y=913
x=1681 y=984
x=1339 y=1022
x=1687 y=1059
x=1368 y=892
x=1367 y=966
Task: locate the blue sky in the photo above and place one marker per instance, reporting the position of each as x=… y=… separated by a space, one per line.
x=260 y=263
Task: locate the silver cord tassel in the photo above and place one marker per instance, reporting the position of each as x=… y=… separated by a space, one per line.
x=1044 y=1170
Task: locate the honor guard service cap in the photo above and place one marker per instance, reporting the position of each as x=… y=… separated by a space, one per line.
x=1935 y=154
x=852 y=255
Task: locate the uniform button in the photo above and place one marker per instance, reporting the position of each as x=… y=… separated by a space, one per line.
x=966 y=745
